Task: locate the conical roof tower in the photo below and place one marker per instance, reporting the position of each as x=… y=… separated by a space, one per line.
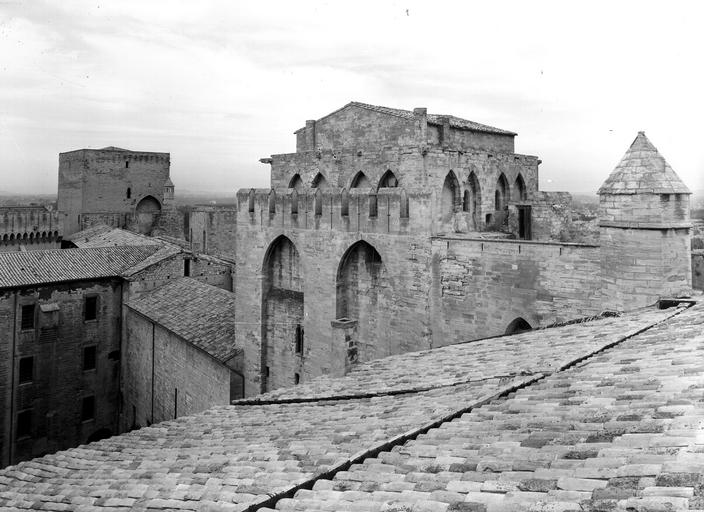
x=644 y=230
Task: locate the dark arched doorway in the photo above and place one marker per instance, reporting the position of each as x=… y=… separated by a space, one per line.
x=147 y=212
x=518 y=325
x=282 y=314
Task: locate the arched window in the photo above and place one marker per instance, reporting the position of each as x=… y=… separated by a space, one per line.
x=344 y=203
x=466 y=201
x=518 y=325
x=318 y=203
x=388 y=180
x=519 y=188
x=272 y=202
x=294 y=201
x=358 y=279
x=403 y=207
x=296 y=182
x=319 y=181
x=450 y=197
x=251 y=201
x=129 y=192
x=474 y=194
x=501 y=194
x=360 y=180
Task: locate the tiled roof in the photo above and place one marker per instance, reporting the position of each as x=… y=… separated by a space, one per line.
x=643 y=170
x=620 y=431
x=202 y=314
x=106 y=236
x=52 y=266
x=455 y=122
x=618 y=416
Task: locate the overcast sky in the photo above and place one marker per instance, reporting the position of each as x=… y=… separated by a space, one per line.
x=221 y=84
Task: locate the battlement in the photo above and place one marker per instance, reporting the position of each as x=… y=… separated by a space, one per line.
x=114 y=156
x=34 y=227
x=389 y=210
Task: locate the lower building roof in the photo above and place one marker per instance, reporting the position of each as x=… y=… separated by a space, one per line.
x=615 y=424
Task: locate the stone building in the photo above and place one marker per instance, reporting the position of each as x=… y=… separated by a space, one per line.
x=390 y=231
x=29 y=227
x=60 y=314
x=117 y=187
x=180 y=352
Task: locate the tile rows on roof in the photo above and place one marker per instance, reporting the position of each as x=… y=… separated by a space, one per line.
x=226 y=458
x=622 y=431
x=643 y=170
x=106 y=236
x=52 y=266
x=202 y=314
x=530 y=352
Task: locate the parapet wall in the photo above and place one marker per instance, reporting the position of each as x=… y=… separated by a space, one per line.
x=35 y=228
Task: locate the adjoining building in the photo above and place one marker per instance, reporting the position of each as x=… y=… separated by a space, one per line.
x=390 y=231
x=117 y=187
x=180 y=352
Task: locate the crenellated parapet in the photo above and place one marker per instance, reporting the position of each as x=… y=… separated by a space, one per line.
x=34 y=227
x=387 y=210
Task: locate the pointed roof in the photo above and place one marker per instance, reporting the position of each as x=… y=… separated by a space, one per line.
x=643 y=170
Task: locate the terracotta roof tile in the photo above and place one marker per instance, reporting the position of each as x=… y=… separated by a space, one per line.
x=202 y=314
x=51 y=266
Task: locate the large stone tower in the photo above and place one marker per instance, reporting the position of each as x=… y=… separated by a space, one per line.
x=644 y=230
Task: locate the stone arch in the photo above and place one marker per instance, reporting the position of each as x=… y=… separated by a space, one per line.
x=5 y=237
x=282 y=312
x=296 y=182
x=319 y=181
x=147 y=212
x=358 y=274
x=360 y=180
x=519 y=188
x=501 y=193
x=518 y=325
x=450 y=197
x=25 y=236
x=56 y=234
x=388 y=180
x=12 y=237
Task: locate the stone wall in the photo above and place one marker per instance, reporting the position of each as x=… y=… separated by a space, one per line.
x=59 y=383
x=33 y=227
x=165 y=377
x=212 y=230
x=108 y=181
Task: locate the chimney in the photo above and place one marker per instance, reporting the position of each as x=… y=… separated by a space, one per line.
x=421 y=116
x=444 y=131
x=310 y=135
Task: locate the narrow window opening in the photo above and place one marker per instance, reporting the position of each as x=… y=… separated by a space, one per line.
x=89 y=358
x=175 y=403
x=28 y=316
x=88 y=408
x=373 y=211
x=26 y=370
x=129 y=192
x=296 y=378
x=186 y=267
x=127 y=164
x=91 y=308
x=24 y=424
x=299 y=339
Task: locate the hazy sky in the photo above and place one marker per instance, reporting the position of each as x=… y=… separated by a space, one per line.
x=221 y=84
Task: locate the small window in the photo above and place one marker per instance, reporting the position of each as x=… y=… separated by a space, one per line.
x=296 y=378
x=24 y=424
x=372 y=205
x=266 y=372
x=186 y=267
x=28 y=316
x=127 y=165
x=129 y=192
x=91 y=311
x=26 y=370
x=88 y=408
x=89 y=358
x=299 y=339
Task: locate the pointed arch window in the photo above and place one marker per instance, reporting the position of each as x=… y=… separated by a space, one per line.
x=388 y=180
